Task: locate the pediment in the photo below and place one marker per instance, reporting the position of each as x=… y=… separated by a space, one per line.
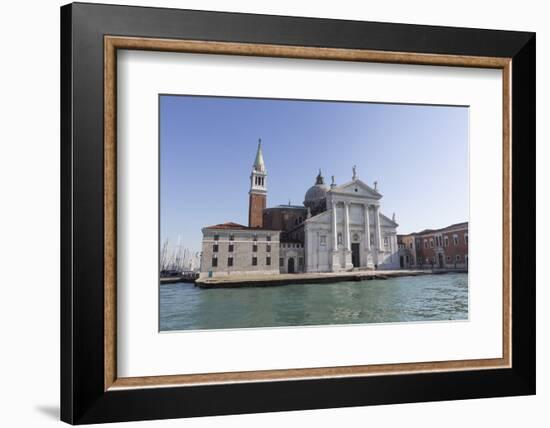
x=323 y=217
x=386 y=221
x=356 y=188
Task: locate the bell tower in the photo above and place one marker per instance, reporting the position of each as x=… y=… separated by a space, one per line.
x=258 y=190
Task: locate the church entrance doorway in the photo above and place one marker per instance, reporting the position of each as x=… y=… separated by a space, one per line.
x=355 y=255
x=290 y=265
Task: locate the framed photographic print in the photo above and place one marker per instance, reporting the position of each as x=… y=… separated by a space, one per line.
x=265 y=213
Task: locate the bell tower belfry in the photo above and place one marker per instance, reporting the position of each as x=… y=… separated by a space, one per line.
x=258 y=190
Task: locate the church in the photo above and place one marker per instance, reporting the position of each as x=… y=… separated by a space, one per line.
x=339 y=227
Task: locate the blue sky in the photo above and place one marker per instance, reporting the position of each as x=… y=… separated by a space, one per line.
x=418 y=154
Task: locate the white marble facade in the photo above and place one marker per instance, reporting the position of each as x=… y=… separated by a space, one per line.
x=351 y=232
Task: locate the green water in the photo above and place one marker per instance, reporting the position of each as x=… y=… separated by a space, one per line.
x=416 y=298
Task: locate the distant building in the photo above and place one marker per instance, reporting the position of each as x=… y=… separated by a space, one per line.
x=439 y=248
x=338 y=228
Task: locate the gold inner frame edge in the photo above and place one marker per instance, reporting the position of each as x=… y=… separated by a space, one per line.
x=113 y=43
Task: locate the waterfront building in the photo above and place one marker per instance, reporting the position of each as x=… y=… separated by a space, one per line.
x=231 y=248
x=338 y=228
x=435 y=248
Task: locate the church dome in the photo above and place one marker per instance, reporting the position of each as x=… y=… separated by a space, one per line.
x=316 y=195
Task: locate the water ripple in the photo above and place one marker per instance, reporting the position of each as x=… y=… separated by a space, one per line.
x=421 y=298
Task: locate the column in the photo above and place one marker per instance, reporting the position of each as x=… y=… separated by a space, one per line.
x=346 y=229
x=367 y=227
x=307 y=248
x=378 y=232
x=334 y=226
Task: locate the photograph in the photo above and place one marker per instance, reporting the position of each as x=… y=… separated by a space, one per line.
x=292 y=213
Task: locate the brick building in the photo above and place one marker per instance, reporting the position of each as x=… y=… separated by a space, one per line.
x=438 y=248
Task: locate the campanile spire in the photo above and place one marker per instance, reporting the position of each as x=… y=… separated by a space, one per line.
x=259 y=161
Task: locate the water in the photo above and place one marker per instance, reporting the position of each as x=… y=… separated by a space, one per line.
x=416 y=298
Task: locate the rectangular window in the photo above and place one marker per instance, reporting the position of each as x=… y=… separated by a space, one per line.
x=231 y=237
x=268 y=248
x=458 y=257
x=230 y=261
x=446 y=240
x=281 y=262
x=254 y=261
x=323 y=240
x=255 y=248
x=215 y=248
x=385 y=241
x=431 y=243
x=268 y=238
x=216 y=237
x=455 y=239
x=230 y=249
x=268 y=261
x=214 y=262
x=300 y=261
x=339 y=239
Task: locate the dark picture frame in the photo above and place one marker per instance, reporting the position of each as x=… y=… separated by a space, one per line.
x=90 y=35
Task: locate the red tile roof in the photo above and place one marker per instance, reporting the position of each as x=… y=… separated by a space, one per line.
x=463 y=225
x=452 y=226
x=235 y=226
x=228 y=225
